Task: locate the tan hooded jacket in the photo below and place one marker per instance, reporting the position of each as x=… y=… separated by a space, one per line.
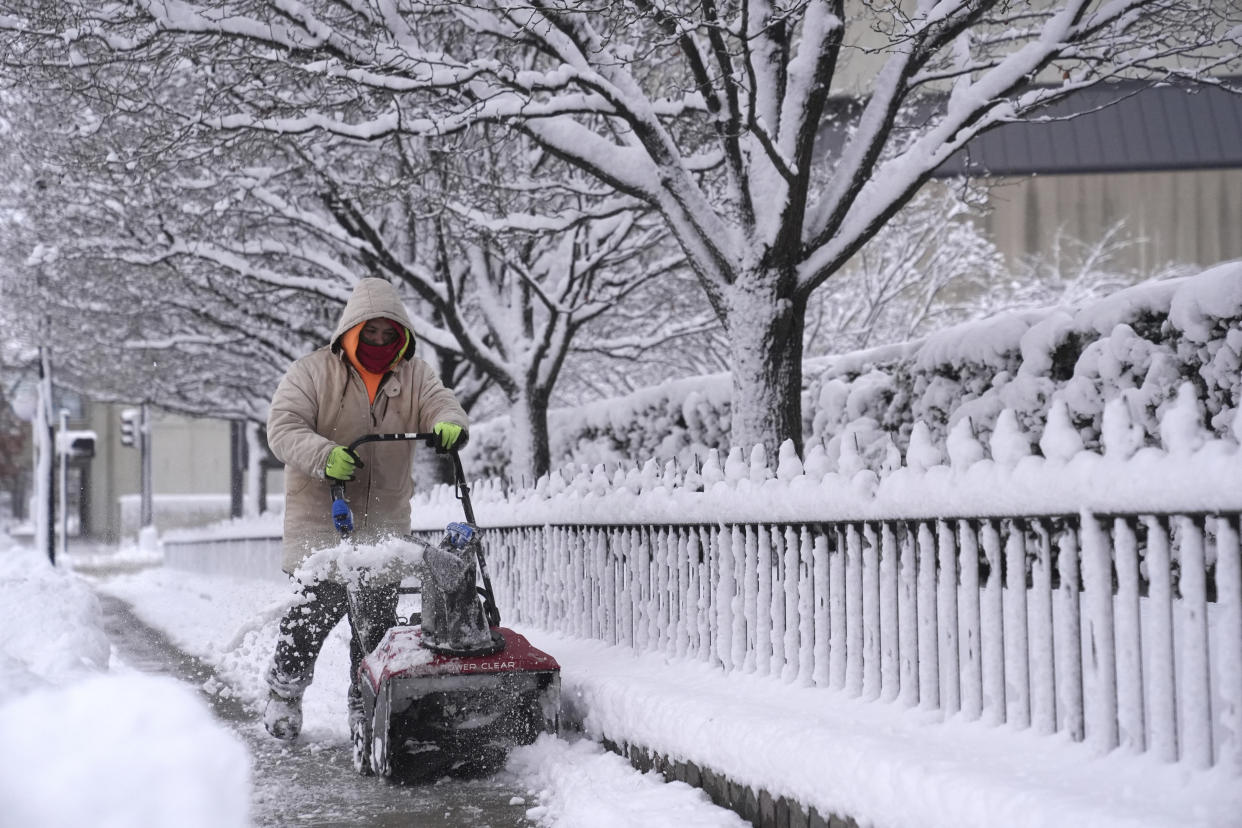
x=322 y=402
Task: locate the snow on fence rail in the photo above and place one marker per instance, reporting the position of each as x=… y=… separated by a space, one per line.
x=1095 y=596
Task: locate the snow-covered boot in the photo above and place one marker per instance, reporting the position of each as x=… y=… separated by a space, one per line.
x=283 y=716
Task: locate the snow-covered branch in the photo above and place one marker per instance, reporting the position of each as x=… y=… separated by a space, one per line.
x=706 y=113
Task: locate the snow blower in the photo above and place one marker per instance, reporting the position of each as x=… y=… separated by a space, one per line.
x=451 y=691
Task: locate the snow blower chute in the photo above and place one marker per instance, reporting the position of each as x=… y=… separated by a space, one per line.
x=452 y=690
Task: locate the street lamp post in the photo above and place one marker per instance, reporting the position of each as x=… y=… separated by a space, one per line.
x=144 y=443
x=45 y=471
x=63 y=504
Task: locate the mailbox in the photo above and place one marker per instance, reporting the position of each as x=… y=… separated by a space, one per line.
x=76 y=444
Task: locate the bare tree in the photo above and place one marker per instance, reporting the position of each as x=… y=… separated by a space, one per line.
x=709 y=112
x=930 y=267
x=664 y=331
x=226 y=255
x=1073 y=271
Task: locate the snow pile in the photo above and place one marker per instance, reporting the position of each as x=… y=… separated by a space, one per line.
x=1138 y=346
x=79 y=746
x=580 y=783
x=120 y=750
x=52 y=628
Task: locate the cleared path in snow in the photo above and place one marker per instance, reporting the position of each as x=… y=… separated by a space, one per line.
x=314 y=784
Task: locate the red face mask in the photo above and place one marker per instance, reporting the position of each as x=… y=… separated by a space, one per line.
x=379 y=358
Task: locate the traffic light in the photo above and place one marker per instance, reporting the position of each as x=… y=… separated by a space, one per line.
x=129 y=425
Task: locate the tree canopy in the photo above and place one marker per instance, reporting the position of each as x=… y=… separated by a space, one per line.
x=773 y=140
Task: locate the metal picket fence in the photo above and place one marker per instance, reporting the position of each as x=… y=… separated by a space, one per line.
x=1124 y=631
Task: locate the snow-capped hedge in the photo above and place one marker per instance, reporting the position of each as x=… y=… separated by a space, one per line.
x=1138 y=346
x=1192 y=471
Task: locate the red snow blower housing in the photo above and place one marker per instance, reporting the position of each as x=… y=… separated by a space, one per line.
x=452 y=691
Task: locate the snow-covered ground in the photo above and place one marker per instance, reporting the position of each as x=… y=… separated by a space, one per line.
x=83 y=744
x=68 y=723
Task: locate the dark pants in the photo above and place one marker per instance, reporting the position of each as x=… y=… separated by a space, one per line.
x=307 y=623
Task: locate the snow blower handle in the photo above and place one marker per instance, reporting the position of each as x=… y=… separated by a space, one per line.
x=433 y=440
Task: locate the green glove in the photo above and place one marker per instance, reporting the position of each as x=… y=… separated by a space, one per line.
x=448 y=433
x=341 y=464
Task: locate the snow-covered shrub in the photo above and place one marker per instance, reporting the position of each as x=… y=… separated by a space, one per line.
x=679 y=419
x=1138 y=346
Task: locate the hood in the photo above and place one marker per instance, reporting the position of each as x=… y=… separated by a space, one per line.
x=373 y=298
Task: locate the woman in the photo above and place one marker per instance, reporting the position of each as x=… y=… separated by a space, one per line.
x=366 y=380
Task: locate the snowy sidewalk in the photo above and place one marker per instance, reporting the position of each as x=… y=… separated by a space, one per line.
x=873 y=762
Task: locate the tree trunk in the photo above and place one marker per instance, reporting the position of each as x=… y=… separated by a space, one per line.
x=529 y=455
x=765 y=341
x=255 y=490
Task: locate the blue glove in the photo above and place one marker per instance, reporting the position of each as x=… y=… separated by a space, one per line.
x=341 y=464
x=448 y=433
